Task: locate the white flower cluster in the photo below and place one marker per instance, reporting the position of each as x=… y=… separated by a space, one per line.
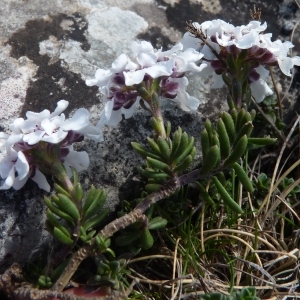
x=119 y=84
x=52 y=128
x=225 y=39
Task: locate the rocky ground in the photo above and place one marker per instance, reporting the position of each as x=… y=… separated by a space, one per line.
x=49 y=48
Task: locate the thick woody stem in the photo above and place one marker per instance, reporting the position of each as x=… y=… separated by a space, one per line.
x=112 y=228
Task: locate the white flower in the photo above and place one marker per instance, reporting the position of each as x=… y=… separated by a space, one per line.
x=280 y=50
x=228 y=40
x=119 y=85
x=220 y=35
x=14 y=163
x=52 y=127
x=19 y=163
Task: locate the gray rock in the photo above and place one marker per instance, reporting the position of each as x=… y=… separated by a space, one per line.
x=49 y=48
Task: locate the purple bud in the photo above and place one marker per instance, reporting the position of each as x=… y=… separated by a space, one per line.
x=72 y=137
x=217 y=66
x=169 y=88
x=124 y=99
x=119 y=79
x=213 y=38
x=64 y=152
x=233 y=50
x=119 y=98
x=253 y=76
x=269 y=59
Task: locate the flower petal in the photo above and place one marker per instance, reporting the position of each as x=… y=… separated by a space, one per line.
x=33 y=137
x=9 y=180
x=260 y=90
x=41 y=181
x=78 y=121
x=78 y=160
x=61 y=106
x=22 y=166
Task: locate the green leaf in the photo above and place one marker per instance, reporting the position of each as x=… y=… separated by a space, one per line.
x=58 y=212
x=164 y=149
x=211 y=160
x=96 y=205
x=223 y=138
x=237 y=152
x=229 y=125
x=185 y=152
x=146 y=239
x=157 y=223
x=185 y=164
x=226 y=197
x=64 y=239
x=143 y=151
x=243 y=177
x=96 y=219
x=149 y=173
x=65 y=203
x=157 y=164
x=205 y=143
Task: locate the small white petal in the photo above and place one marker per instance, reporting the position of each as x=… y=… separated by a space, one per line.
x=92 y=132
x=115 y=118
x=146 y=59
x=41 y=181
x=174 y=49
x=48 y=126
x=143 y=46
x=55 y=137
x=13 y=139
x=186 y=101
x=19 y=183
x=164 y=68
x=16 y=126
x=78 y=160
x=119 y=64
x=263 y=72
x=4 y=136
x=109 y=116
x=108 y=109
x=285 y=65
x=188 y=41
x=296 y=60
x=37 y=117
x=9 y=180
x=79 y=120
x=101 y=78
x=61 y=106
x=33 y=137
x=128 y=112
x=22 y=166
x=134 y=77
x=260 y=90
x=247 y=40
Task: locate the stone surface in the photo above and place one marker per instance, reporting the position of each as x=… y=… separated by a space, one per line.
x=49 y=48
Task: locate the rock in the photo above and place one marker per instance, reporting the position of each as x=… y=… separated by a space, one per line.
x=50 y=48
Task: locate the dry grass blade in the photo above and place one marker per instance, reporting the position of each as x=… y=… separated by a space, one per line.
x=265 y=204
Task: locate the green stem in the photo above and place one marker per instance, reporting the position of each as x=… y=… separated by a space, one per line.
x=156 y=114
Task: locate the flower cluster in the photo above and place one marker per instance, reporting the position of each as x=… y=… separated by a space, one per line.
x=219 y=40
x=29 y=147
x=121 y=84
